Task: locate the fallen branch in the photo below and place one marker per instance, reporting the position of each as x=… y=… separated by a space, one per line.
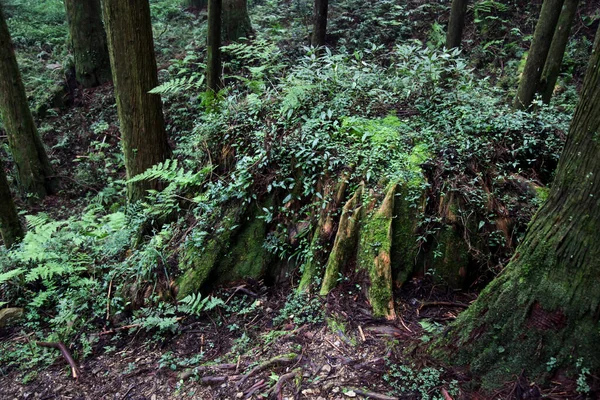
x=65 y=353
x=446 y=394
x=213 y=380
x=372 y=395
x=189 y=372
x=279 y=360
x=125 y=327
x=276 y=391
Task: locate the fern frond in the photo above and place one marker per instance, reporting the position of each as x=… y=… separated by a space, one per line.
x=178 y=85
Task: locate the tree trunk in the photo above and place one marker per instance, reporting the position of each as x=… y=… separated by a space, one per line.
x=319 y=23
x=540 y=45
x=26 y=146
x=557 y=50
x=213 y=46
x=133 y=63
x=10 y=226
x=456 y=23
x=547 y=301
x=88 y=39
x=236 y=21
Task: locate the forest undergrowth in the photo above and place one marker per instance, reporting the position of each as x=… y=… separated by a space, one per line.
x=385 y=103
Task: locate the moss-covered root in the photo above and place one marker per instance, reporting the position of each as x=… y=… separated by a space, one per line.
x=404 y=227
x=198 y=263
x=321 y=241
x=246 y=257
x=375 y=256
x=345 y=242
x=451 y=259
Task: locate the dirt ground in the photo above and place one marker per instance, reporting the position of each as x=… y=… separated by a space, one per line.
x=341 y=352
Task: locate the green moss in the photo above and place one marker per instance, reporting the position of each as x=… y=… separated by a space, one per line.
x=345 y=242
x=374 y=255
x=450 y=259
x=247 y=257
x=542 y=193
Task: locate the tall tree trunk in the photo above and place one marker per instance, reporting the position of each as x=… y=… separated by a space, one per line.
x=88 y=39
x=213 y=46
x=557 y=50
x=26 y=146
x=236 y=21
x=456 y=23
x=10 y=226
x=546 y=303
x=319 y=23
x=540 y=45
x=133 y=63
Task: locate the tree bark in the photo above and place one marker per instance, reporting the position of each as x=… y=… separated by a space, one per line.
x=213 y=46
x=538 y=51
x=547 y=301
x=133 y=63
x=456 y=23
x=26 y=146
x=236 y=21
x=557 y=50
x=319 y=23
x=88 y=39
x=10 y=226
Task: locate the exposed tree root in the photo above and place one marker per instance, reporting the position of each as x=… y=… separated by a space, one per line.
x=321 y=241
x=65 y=353
x=276 y=392
x=345 y=241
x=285 y=359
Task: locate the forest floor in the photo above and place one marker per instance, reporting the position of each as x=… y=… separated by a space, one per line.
x=341 y=353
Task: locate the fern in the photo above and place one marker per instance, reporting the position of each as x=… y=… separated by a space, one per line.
x=194 y=304
x=169 y=171
x=178 y=85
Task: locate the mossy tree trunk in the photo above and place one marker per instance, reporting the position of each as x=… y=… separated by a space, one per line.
x=88 y=39
x=538 y=52
x=133 y=63
x=213 y=47
x=26 y=146
x=557 y=50
x=236 y=21
x=319 y=23
x=547 y=301
x=456 y=23
x=10 y=226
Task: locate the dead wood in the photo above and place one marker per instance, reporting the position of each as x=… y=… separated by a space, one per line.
x=65 y=353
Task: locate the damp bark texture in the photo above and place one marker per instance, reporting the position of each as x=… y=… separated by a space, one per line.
x=546 y=303
x=557 y=50
x=538 y=52
x=88 y=40
x=213 y=47
x=236 y=21
x=10 y=226
x=319 y=23
x=133 y=63
x=456 y=23
x=33 y=166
